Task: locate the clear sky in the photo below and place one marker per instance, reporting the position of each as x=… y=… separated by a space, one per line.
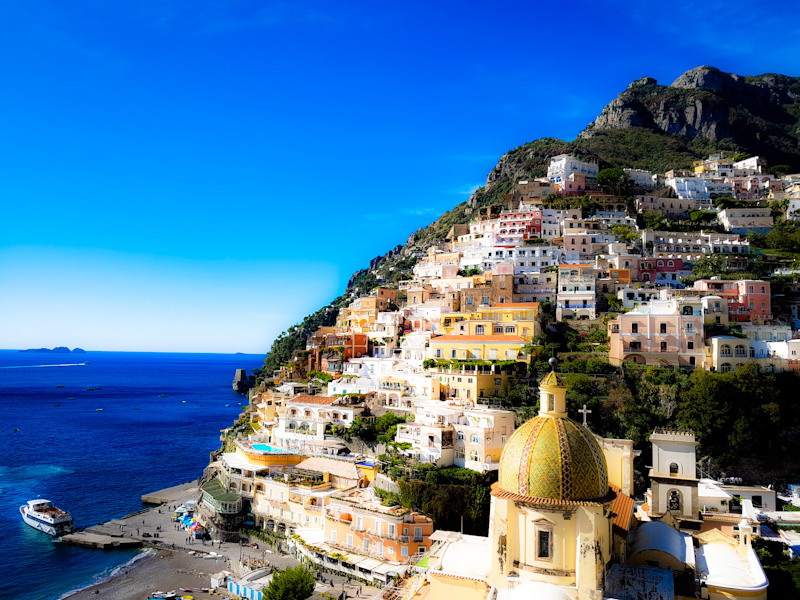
x=198 y=175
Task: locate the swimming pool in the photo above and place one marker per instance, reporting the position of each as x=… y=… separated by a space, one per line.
x=269 y=449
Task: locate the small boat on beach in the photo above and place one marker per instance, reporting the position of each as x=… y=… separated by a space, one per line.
x=42 y=515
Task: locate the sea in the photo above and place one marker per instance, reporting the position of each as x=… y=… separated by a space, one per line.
x=149 y=421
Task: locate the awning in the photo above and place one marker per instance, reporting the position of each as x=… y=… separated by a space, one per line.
x=369 y=564
x=385 y=569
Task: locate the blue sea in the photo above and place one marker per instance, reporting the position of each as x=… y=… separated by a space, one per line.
x=97 y=464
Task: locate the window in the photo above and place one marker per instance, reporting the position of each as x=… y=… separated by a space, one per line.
x=479 y=330
x=498 y=329
x=404 y=551
x=453 y=354
x=663 y=346
x=474 y=439
x=469 y=300
x=673 y=469
x=543 y=544
x=421 y=550
x=690 y=345
x=551 y=402
x=674 y=500
x=634 y=328
x=333 y=536
x=663 y=328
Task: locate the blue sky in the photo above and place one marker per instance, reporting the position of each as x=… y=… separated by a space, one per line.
x=198 y=175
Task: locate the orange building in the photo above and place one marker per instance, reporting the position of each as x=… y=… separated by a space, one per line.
x=356 y=521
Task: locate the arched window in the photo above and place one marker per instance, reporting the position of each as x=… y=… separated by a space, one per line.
x=479 y=330
x=725 y=368
x=660 y=263
x=673 y=469
x=740 y=351
x=671 y=263
x=725 y=350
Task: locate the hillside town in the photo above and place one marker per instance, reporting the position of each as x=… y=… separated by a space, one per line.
x=414 y=379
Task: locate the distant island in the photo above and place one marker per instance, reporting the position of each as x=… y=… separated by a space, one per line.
x=56 y=350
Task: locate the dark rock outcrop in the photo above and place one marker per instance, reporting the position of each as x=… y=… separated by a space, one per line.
x=760 y=115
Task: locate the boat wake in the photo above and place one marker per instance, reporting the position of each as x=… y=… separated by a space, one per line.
x=43 y=366
x=105 y=576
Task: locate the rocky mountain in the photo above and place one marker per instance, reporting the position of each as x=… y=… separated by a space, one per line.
x=760 y=115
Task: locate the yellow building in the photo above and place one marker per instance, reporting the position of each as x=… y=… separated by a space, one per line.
x=471 y=367
x=518 y=318
x=362 y=313
x=479 y=347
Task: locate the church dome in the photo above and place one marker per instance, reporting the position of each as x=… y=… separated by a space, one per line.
x=554 y=458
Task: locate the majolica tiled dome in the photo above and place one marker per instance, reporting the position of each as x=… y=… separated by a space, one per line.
x=554 y=458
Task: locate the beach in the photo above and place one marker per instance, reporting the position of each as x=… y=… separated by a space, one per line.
x=177 y=561
x=165 y=571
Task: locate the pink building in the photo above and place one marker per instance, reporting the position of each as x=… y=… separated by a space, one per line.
x=520 y=224
x=659 y=332
x=748 y=299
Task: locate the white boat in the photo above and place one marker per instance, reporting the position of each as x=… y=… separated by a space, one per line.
x=42 y=515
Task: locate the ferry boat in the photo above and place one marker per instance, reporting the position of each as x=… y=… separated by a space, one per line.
x=42 y=515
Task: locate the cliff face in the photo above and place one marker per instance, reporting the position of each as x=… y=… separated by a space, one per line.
x=760 y=115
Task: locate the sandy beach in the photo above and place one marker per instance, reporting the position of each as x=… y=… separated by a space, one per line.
x=166 y=571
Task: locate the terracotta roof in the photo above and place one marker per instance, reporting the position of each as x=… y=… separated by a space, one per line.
x=306 y=399
x=622 y=507
x=510 y=339
x=499 y=492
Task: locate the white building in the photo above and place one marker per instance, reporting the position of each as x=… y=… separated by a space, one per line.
x=744 y=220
x=457 y=433
x=564 y=165
x=302 y=423
x=553 y=220
x=576 y=292
x=640 y=177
